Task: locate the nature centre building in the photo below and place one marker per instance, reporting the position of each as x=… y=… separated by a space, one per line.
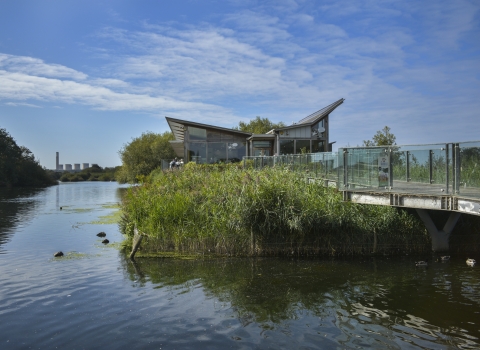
x=201 y=143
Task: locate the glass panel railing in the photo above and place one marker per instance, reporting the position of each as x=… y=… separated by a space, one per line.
x=469 y=169
x=438 y=169
x=364 y=167
x=423 y=169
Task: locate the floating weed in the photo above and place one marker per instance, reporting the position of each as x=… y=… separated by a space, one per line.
x=111 y=206
x=77 y=210
x=75 y=256
x=112 y=218
x=112 y=245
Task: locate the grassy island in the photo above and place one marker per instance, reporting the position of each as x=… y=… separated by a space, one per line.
x=228 y=210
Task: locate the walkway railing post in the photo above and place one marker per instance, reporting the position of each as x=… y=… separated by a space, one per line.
x=430 y=168
x=456 y=170
x=390 y=168
x=345 y=169
x=447 y=178
x=408 y=165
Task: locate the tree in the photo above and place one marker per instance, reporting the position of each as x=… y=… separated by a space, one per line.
x=382 y=138
x=144 y=154
x=258 y=126
x=18 y=166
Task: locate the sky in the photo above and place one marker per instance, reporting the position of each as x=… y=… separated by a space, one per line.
x=84 y=78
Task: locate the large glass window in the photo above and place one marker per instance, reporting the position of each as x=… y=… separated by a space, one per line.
x=196 y=152
x=236 y=151
x=197 y=134
x=216 y=152
x=287 y=147
x=214 y=136
x=318 y=146
x=302 y=146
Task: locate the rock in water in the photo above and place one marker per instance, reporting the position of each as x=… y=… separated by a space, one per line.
x=105 y=241
x=58 y=254
x=101 y=234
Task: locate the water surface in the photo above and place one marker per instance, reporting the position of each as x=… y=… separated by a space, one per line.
x=95 y=297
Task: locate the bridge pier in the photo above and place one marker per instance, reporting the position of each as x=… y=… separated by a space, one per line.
x=440 y=238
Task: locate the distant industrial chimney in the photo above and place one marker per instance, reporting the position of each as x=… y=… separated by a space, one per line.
x=57 y=162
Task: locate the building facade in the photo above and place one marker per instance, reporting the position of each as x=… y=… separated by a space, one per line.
x=202 y=143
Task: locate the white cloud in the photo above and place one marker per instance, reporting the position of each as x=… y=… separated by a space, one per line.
x=21 y=104
x=37 y=67
x=23 y=87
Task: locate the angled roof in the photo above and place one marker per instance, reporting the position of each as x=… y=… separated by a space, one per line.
x=315 y=117
x=178 y=127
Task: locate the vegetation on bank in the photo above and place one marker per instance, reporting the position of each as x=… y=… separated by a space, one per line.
x=225 y=209
x=143 y=155
x=94 y=173
x=18 y=166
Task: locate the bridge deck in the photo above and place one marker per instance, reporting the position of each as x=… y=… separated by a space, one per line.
x=417 y=195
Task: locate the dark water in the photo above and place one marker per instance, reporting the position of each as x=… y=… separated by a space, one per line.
x=96 y=298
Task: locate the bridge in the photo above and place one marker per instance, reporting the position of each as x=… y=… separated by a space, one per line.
x=424 y=177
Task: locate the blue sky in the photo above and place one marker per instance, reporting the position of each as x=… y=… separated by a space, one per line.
x=85 y=77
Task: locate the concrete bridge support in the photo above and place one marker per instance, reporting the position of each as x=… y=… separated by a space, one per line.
x=440 y=238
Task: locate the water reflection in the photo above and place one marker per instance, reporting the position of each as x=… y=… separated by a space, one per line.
x=17 y=208
x=367 y=303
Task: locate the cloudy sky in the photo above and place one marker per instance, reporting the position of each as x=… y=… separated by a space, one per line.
x=85 y=77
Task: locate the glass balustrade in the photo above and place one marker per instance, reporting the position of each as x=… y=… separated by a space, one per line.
x=434 y=169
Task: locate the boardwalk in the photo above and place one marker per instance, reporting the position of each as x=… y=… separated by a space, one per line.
x=425 y=177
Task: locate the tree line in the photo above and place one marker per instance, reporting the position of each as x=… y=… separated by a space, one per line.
x=18 y=166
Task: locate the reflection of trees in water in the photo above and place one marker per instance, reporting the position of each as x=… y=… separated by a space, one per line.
x=120 y=192
x=352 y=296
x=17 y=205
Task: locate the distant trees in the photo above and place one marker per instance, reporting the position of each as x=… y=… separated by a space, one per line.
x=94 y=173
x=18 y=166
x=382 y=138
x=144 y=154
x=258 y=125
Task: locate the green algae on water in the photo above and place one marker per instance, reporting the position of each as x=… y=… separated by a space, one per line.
x=73 y=255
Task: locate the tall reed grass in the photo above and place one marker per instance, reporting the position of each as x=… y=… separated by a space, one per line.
x=225 y=209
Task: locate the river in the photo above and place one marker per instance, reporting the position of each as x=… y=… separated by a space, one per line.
x=94 y=297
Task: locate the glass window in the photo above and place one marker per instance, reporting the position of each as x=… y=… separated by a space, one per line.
x=266 y=144
x=214 y=136
x=318 y=129
x=236 y=151
x=286 y=147
x=217 y=152
x=302 y=146
x=196 y=152
x=197 y=134
x=318 y=146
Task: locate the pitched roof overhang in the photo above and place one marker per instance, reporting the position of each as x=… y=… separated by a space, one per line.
x=315 y=117
x=178 y=127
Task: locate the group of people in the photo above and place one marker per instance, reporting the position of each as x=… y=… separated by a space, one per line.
x=176 y=163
